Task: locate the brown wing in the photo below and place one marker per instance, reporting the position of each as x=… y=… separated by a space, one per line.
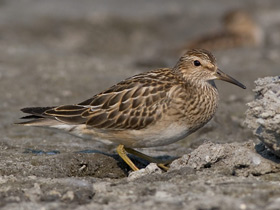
x=70 y=114
x=67 y=113
x=131 y=104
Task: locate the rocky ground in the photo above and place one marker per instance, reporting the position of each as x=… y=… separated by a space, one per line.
x=62 y=52
x=263 y=115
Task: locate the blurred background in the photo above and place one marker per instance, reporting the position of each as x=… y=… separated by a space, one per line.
x=63 y=52
x=55 y=52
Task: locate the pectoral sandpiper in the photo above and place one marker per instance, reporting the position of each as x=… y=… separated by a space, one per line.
x=155 y=108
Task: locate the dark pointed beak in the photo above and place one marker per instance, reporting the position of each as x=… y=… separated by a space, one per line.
x=223 y=76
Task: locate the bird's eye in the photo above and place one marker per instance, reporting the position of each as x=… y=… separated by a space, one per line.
x=196 y=63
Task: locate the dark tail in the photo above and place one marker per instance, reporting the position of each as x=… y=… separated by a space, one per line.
x=36 y=115
x=37 y=111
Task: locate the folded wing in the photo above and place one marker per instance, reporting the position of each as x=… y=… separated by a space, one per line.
x=134 y=103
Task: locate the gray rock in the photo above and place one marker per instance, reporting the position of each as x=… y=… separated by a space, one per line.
x=231 y=159
x=263 y=115
x=152 y=168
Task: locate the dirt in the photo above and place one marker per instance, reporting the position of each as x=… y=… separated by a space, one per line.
x=64 y=52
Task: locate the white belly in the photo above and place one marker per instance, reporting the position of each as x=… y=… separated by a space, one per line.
x=157 y=135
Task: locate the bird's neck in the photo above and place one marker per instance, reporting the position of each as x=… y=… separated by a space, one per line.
x=201 y=85
x=196 y=85
x=193 y=80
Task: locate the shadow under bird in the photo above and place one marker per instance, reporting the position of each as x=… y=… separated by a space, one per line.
x=154 y=108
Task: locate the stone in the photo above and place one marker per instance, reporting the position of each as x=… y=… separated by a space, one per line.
x=263 y=115
x=232 y=159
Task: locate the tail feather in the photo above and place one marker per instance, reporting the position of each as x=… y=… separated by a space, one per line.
x=37 y=111
x=30 y=117
x=36 y=117
x=48 y=116
x=40 y=122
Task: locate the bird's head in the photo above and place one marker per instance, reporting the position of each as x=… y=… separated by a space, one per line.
x=200 y=66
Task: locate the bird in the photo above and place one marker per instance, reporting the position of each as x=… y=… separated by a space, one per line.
x=154 y=108
x=239 y=30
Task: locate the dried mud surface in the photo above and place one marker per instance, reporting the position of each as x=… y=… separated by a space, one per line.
x=62 y=52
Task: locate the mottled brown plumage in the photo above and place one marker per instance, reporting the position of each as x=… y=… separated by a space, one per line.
x=154 y=108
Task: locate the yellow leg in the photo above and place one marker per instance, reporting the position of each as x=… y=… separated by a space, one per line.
x=160 y=163
x=121 y=151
